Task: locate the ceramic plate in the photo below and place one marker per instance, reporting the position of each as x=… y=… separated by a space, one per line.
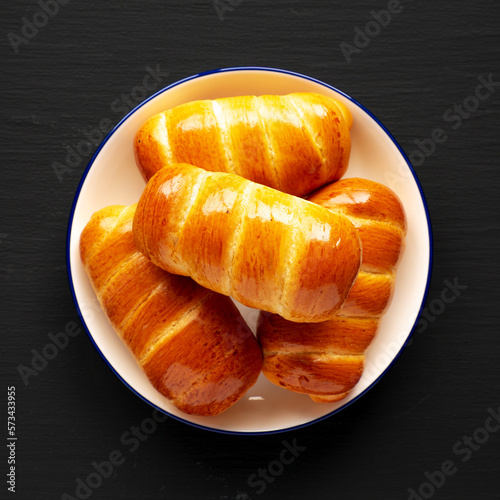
x=112 y=177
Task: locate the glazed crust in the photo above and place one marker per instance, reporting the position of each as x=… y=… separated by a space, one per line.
x=192 y=343
x=294 y=143
x=325 y=360
x=267 y=249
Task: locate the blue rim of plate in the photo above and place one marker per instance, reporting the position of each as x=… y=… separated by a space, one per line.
x=226 y=70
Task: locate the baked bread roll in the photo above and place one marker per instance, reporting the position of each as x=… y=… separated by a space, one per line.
x=325 y=360
x=294 y=143
x=192 y=343
x=267 y=249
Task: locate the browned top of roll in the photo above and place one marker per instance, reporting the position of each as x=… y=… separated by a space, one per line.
x=267 y=249
x=294 y=143
x=192 y=343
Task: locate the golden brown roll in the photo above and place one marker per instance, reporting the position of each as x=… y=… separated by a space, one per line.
x=267 y=249
x=192 y=343
x=294 y=143
x=325 y=360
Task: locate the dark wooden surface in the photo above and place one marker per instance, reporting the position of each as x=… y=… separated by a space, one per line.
x=68 y=77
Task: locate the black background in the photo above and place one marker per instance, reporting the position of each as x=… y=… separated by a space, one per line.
x=74 y=412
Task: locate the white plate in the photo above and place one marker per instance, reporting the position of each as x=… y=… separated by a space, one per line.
x=112 y=177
